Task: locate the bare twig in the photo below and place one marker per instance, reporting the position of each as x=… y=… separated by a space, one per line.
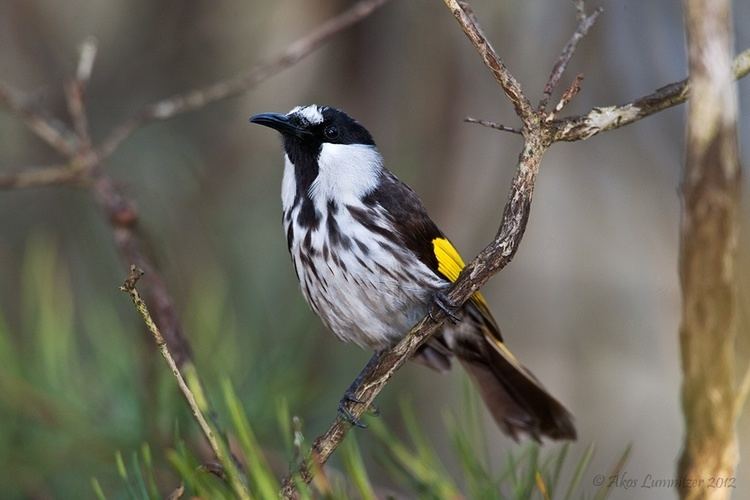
x=580 y=6
x=49 y=130
x=177 y=492
x=75 y=90
x=465 y=16
x=496 y=126
x=74 y=101
x=87 y=56
x=602 y=119
x=567 y=96
x=197 y=408
x=584 y=25
x=39 y=176
x=122 y=215
x=224 y=89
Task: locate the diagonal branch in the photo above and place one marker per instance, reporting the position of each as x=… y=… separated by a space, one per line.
x=188 y=388
x=196 y=99
x=464 y=14
x=603 y=119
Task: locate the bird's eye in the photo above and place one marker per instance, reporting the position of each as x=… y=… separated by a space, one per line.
x=331 y=132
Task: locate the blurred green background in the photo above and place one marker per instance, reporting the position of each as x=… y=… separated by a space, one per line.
x=590 y=303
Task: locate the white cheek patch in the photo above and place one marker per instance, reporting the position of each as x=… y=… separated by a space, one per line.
x=288 y=184
x=346 y=171
x=310 y=113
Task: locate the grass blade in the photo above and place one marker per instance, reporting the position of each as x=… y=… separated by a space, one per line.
x=356 y=470
x=604 y=490
x=580 y=469
x=259 y=471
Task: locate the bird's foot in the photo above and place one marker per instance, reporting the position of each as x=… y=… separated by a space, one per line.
x=447 y=306
x=346 y=414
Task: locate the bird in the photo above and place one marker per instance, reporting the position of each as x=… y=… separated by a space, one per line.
x=371 y=263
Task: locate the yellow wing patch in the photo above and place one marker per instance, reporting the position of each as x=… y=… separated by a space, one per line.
x=450 y=265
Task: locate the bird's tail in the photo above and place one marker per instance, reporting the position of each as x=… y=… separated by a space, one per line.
x=514 y=397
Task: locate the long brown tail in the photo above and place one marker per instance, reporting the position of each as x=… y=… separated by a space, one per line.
x=517 y=401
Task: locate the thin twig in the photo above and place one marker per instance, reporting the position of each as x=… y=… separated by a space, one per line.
x=604 y=118
x=50 y=175
x=49 y=130
x=75 y=92
x=122 y=215
x=567 y=96
x=220 y=449
x=584 y=25
x=495 y=125
x=234 y=86
x=580 y=6
x=464 y=14
x=87 y=56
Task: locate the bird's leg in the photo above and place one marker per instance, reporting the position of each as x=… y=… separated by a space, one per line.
x=350 y=395
x=447 y=306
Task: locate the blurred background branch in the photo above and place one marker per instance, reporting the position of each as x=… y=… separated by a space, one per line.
x=170 y=107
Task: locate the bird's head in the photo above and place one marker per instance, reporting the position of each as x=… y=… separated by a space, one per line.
x=306 y=129
x=331 y=152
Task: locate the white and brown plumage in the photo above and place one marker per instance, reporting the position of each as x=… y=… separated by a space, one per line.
x=370 y=262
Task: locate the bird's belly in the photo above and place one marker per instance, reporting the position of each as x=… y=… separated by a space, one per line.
x=371 y=298
x=368 y=310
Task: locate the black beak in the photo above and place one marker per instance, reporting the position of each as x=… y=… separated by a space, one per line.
x=279 y=122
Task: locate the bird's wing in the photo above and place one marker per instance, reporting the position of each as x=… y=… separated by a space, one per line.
x=450 y=265
x=422 y=236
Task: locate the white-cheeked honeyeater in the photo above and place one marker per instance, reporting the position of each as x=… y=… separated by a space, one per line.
x=371 y=262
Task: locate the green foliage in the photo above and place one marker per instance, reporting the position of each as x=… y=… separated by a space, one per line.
x=82 y=390
x=527 y=472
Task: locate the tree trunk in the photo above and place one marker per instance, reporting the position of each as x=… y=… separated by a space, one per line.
x=708 y=247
